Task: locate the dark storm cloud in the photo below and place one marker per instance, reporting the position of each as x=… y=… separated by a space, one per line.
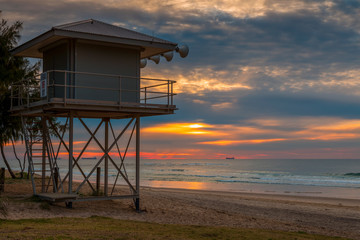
x=217 y=38
x=260 y=105
x=347 y=6
x=306 y=43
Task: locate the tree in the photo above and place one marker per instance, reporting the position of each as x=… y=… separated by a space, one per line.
x=12 y=69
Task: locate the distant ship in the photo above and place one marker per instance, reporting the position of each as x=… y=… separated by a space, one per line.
x=229 y=158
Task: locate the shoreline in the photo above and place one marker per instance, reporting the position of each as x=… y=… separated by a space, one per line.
x=251 y=190
x=271 y=189
x=314 y=215
x=268 y=196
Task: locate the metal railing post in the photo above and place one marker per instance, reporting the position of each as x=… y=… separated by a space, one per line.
x=168 y=92
x=47 y=86
x=145 y=94
x=119 y=92
x=65 y=80
x=172 y=93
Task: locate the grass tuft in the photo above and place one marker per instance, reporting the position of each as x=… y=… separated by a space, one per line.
x=97 y=227
x=44 y=206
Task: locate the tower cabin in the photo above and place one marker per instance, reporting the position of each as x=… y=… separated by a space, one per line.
x=94 y=68
x=91 y=69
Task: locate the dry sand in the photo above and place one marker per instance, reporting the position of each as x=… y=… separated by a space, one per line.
x=326 y=216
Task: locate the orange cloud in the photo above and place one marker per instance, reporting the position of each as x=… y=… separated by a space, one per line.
x=180 y=128
x=164 y=155
x=249 y=141
x=201 y=80
x=200 y=140
x=336 y=129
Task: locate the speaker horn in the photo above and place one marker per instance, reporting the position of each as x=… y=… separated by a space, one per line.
x=168 y=55
x=183 y=50
x=155 y=58
x=143 y=63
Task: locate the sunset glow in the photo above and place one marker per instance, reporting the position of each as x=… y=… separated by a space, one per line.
x=179 y=128
x=263 y=79
x=233 y=142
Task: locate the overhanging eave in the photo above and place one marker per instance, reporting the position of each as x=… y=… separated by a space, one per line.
x=32 y=47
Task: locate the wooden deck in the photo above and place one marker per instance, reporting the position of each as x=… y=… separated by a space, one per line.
x=57 y=197
x=91 y=109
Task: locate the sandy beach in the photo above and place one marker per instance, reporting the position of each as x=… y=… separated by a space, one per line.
x=326 y=216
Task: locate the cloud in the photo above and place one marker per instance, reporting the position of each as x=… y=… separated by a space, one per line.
x=180 y=128
x=237 y=142
x=267 y=77
x=267 y=45
x=258 y=138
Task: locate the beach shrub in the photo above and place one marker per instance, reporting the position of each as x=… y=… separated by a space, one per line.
x=12 y=69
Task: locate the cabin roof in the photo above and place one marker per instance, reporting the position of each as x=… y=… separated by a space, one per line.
x=94 y=30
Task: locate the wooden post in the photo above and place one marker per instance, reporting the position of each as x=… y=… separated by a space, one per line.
x=56 y=178
x=98 y=174
x=43 y=159
x=2 y=180
x=71 y=143
x=106 y=165
x=137 y=200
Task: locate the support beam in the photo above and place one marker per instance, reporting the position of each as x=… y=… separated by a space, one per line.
x=137 y=200
x=71 y=149
x=56 y=179
x=98 y=174
x=43 y=158
x=106 y=162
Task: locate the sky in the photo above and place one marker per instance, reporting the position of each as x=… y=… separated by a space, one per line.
x=263 y=79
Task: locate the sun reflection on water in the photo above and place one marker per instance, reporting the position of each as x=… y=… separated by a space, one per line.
x=179 y=184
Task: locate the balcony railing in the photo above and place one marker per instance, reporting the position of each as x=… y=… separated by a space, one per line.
x=92 y=88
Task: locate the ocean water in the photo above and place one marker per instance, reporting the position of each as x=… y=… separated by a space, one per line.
x=309 y=177
x=339 y=178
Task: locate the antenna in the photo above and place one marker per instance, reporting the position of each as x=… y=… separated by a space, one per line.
x=183 y=50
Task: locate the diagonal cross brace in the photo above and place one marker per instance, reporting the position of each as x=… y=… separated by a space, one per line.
x=75 y=160
x=122 y=158
x=106 y=153
x=81 y=153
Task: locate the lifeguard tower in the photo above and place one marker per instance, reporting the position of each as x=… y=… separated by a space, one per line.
x=91 y=70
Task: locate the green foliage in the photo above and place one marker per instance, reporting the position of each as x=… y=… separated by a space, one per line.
x=12 y=69
x=23 y=175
